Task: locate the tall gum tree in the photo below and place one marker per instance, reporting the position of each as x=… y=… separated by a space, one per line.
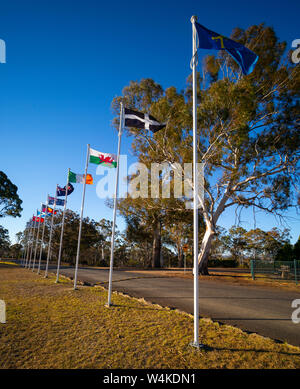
x=248 y=130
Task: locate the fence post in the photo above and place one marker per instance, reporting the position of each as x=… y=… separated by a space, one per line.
x=252 y=264
x=295 y=269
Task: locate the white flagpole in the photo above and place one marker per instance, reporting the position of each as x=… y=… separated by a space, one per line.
x=62 y=229
x=195 y=177
x=25 y=244
x=37 y=241
x=32 y=243
x=28 y=244
x=50 y=237
x=43 y=233
x=115 y=207
x=81 y=215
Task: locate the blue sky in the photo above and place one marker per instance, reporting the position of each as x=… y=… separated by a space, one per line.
x=67 y=60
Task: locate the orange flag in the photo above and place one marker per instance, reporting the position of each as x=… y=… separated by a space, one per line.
x=89 y=179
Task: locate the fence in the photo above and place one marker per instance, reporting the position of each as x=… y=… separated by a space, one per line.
x=285 y=270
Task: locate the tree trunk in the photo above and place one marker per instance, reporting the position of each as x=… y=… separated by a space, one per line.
x=180 y=257
x=156 y=246
x=204 y=251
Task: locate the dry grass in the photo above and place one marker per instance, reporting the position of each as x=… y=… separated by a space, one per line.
x=52 y=326
x=231 y=277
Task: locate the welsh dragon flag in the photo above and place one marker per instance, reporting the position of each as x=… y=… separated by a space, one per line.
x=109 y=160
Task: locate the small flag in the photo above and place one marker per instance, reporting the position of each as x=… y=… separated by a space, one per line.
x=79 y=178
x=38 y=219
x=48 y=209
x=142 y=120
x=109 y=160
x=242 y=55
x=62 y=191
x=51 y=201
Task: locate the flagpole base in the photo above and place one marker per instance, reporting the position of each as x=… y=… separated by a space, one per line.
x=108 y=305
x=197 y=345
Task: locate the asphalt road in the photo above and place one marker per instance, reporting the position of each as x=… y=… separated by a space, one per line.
x=264 y=310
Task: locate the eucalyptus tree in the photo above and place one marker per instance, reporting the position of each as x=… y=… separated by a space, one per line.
x=248 y=131
x=10 y=202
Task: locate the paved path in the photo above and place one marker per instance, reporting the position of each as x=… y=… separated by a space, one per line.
x=264 y=310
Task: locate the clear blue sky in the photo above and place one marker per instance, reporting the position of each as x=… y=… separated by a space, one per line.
x=66 y=60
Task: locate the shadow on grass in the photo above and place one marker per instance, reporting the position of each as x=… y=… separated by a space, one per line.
x=136 y=308
x=207 y=348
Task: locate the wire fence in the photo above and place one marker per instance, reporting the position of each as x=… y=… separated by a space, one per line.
x=284 y=270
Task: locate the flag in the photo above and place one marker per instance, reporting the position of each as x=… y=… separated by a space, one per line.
x=38 y=219
x=48 y=209
x=142 y=120
x=51 y=201
x=109 y=160
x=242 y=55
x=62 y=191
x=79 y=178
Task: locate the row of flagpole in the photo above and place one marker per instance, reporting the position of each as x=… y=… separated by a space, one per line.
x=33 y=237
x=62 y=230
x=31 y=234
x=208 y=40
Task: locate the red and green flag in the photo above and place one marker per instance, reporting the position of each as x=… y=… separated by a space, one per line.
x=105 y=159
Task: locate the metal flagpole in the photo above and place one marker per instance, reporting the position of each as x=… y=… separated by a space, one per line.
x=25 y=250
x=62 y=229
x=81 y=215
x=195 y=199
x=43 y=233
x=50 y=236
x=32 y=243
x=37 y=241
x=28 y=244
x=115 y=208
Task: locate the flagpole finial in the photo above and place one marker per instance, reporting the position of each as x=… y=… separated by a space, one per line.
x=194 y=19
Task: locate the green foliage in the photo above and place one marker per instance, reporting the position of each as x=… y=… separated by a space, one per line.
x=244 y=245
x=10 y=203
x=285 y=253
x=95 y=236
x=248 y=128
x=15 y=251
x=4 y=241
x=223 y=263
x=235 y=243
x=297 y=250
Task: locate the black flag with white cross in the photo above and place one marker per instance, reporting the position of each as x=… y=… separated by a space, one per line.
x=141 y=120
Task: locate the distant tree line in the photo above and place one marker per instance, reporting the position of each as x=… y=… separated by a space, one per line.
x=134 y=247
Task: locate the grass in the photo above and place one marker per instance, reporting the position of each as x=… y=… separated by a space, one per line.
x=8 y=263
x=52 y=326
x=236 y=278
